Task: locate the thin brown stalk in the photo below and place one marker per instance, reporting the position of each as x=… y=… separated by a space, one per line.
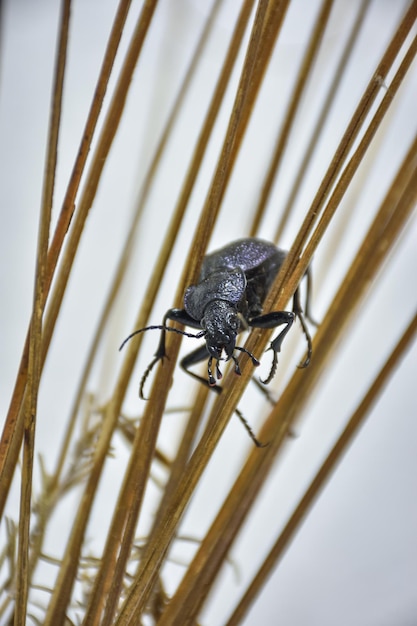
x=179 y=463
x=63 y=588
x=334 y=457
x=13 y=428
x=176 y=472
x=34 y=372
x=112 y=47
x=338 y=75
x=295 y=100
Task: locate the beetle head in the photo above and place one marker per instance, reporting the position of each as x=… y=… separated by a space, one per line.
x=222 y=323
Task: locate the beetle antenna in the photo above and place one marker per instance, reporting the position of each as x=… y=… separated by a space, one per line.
x=158 y=355
x=160 y=327
x=307 y=360
x=255 y=361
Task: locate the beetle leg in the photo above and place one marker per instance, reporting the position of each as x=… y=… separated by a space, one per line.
x=146 y=374
x=211 y=379
x=176 y=315
x=273 y=369
x=272 y=320
x=309 y=289
x=182 y=317
x=298 y=311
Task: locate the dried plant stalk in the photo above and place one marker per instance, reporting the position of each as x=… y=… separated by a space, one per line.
x=34 y=369
x=337 y=78
x=303 y=74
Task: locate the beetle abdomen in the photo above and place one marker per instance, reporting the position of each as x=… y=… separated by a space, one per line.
x=248 y=254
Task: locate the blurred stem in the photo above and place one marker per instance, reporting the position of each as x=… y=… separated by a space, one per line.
x=34 y=372
x=302 y=81
x=338 y=74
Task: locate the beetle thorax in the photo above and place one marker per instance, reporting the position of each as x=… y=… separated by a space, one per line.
x=222 y=324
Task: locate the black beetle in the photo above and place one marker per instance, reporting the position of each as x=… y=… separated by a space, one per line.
x=228 y=299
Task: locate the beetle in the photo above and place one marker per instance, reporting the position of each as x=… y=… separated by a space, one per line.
x=228 y=299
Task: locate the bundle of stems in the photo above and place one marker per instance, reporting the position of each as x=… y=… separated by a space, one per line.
x=126 y=580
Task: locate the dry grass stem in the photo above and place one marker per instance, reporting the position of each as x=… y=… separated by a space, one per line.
x=315 y=135
x=34 y=369
x=284 y=132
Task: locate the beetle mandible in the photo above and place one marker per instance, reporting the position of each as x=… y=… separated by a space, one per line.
x=228 y=298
